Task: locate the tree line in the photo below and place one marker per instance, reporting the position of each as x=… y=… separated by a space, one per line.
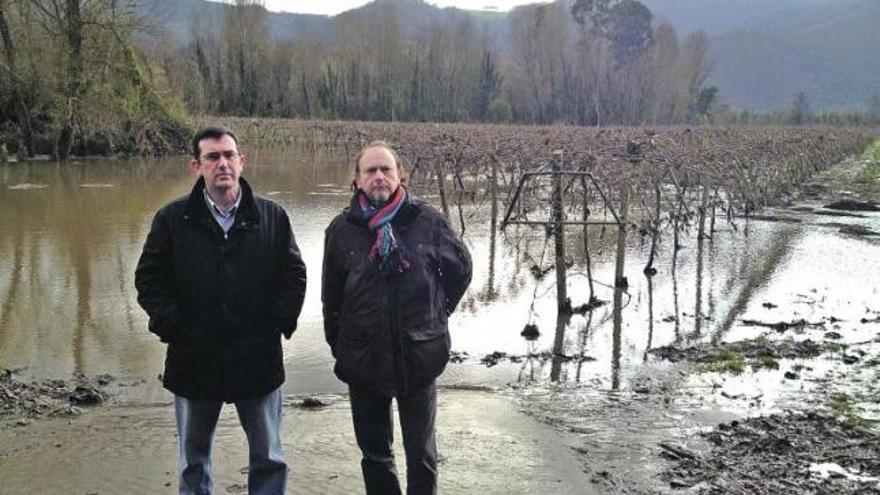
x=91 y=76
x=598 y=62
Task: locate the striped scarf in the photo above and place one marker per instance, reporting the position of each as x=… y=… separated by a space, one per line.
x=387 y=248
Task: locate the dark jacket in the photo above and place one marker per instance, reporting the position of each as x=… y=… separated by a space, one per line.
x=221 y=301
x=388 y=331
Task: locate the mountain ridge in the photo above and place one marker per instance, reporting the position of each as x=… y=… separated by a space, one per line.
x=764 y=53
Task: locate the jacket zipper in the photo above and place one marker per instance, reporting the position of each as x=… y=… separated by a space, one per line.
x=396 y=338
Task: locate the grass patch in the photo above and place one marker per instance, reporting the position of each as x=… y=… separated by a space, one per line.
x=845 y=406
x=723 y=361
x=837 y=347
x=872 y=172
x=767 y=361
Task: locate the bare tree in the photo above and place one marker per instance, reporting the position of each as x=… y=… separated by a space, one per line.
x=16 y=84
x=801 y=113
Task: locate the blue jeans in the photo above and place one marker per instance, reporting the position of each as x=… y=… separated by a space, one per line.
x=261 y=420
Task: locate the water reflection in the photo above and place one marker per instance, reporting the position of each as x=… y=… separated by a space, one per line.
x=583 y=336
x=527 y=372
x=67 y=242
x=723 y=279
x=558 y=346
x=14 y=283
x=650 y=316
x=713 y=260
x=67 y=301
x=617 y=331
x=69 y=248
x=675 y=311
x=698 y=305
x=757 y=273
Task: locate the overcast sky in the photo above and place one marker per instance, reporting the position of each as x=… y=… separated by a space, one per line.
x=333 y=7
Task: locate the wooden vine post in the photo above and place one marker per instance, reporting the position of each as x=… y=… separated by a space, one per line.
x=493 y=224
x=620 y=285
x=563 y=309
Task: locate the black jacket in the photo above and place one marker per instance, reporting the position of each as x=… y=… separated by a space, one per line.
x=221 y=301
x=388 y=331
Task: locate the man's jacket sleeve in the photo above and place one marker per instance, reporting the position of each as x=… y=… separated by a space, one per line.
x=154 y=281
x=291 y=283
x=455 y=265
x=332 y=286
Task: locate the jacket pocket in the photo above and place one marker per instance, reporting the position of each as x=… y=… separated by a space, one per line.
x=427 y=352
x=426 y=332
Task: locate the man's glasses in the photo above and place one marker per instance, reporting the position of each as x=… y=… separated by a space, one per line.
x=214 y=156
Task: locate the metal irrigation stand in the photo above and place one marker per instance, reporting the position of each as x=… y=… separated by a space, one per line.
x=558 y=223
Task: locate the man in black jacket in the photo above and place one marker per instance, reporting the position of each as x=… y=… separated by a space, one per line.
x=393 y=273
x=221 y=279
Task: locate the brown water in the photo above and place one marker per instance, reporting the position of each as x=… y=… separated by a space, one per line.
x=70 y=236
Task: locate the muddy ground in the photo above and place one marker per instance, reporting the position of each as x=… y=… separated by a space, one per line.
x=786 y=453
x=486 y=446
x=22 y=400
x=828 y=444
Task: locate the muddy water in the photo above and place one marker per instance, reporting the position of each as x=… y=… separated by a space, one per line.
x=70 y=236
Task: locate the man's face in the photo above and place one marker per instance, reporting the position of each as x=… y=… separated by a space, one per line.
x=219 y=163
x=377 y=175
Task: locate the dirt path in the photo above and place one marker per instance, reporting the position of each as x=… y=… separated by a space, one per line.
x=487 y=447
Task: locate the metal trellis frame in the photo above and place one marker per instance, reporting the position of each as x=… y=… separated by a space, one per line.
x=557 y=173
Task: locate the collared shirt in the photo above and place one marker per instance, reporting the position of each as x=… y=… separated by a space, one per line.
x=224 y=219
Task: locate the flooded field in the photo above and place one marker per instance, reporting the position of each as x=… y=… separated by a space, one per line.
x=653 y=364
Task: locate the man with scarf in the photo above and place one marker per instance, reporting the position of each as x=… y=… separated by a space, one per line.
x=393 y=273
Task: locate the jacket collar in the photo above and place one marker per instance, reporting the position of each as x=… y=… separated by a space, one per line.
x=247 y=208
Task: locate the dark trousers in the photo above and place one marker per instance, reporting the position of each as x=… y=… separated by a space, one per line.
x=373 y=428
